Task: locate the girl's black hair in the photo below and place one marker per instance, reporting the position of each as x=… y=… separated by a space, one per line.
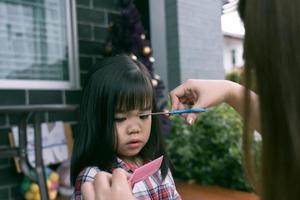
x=114 y=84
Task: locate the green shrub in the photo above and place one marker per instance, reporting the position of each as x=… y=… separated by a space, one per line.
x=209 y=152
x=235 y=76
x=238 y=75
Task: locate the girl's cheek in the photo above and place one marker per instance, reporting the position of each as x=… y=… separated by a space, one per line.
x=115 y=139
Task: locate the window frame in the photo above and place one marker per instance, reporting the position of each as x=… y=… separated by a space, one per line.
x=73 y=66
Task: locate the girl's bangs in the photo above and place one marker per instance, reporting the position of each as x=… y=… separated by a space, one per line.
x=135 y=95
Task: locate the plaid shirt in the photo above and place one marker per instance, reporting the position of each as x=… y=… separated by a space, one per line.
x=151 y=188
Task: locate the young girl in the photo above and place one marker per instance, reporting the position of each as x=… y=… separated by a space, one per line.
x=116 y=130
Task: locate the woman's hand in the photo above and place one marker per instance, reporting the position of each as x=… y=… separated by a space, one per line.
x=108 y=186
x=200 y=94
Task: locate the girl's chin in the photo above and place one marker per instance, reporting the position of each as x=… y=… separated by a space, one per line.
x=130 y=154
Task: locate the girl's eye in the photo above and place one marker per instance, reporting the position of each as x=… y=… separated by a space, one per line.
x=144 y=116
x=120 y=119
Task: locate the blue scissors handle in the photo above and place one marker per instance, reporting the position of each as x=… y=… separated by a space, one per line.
x=192 y=110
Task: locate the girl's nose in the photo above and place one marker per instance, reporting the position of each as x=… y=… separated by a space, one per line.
x=134 y=127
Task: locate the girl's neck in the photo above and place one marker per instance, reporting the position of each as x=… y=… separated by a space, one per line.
x=136 y=160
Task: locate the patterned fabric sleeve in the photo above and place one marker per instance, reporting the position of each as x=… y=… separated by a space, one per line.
x=176 y=195
x=152 y=187
x=86 y=175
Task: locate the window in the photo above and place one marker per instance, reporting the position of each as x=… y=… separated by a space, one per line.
x=233 y=57
x=38 y=44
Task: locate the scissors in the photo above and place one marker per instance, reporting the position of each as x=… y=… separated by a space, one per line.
x=178 y=112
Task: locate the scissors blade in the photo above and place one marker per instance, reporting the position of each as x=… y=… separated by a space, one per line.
x=192 y=110
x=178 y=112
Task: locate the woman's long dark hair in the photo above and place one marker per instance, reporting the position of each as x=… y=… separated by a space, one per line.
x=116 y=83
x=272 y=52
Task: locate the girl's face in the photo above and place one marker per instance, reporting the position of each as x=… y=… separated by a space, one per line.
x=133 y=130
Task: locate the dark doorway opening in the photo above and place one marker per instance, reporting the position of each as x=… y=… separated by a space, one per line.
x=143 y=8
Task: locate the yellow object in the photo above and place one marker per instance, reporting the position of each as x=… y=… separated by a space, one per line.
x=34 y=188
x=54 y=177
x=37 y=196
x=49 y=184
x=29 y=195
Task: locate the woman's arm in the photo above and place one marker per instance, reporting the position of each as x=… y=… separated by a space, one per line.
x=207 y=93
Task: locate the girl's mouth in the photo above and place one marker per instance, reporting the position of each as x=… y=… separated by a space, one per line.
x=134 y=144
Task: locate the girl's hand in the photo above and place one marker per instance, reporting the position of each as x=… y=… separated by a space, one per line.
x=108 y=186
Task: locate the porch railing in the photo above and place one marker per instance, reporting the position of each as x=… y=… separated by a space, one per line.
x=27 y=112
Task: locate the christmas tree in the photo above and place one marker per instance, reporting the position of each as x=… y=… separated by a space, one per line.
x=127 y=35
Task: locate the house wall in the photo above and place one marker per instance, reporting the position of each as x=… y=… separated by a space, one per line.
x=194 y=40
x=92 y=18
x=158 y=40
x=229 y=44
x=172 y=44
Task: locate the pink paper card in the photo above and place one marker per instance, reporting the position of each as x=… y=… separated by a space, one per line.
x=145 y=171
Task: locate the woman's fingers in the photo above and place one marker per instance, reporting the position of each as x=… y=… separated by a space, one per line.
x=102 y=185
x=88 y=191
x=183 y=95
x=102 y=180
x=108 y=186
x=120 y=178
x=120 y=185
x=175 y=96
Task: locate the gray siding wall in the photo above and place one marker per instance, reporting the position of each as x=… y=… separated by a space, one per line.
x=194 y=40
x=173 y=48
x=158 y=39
